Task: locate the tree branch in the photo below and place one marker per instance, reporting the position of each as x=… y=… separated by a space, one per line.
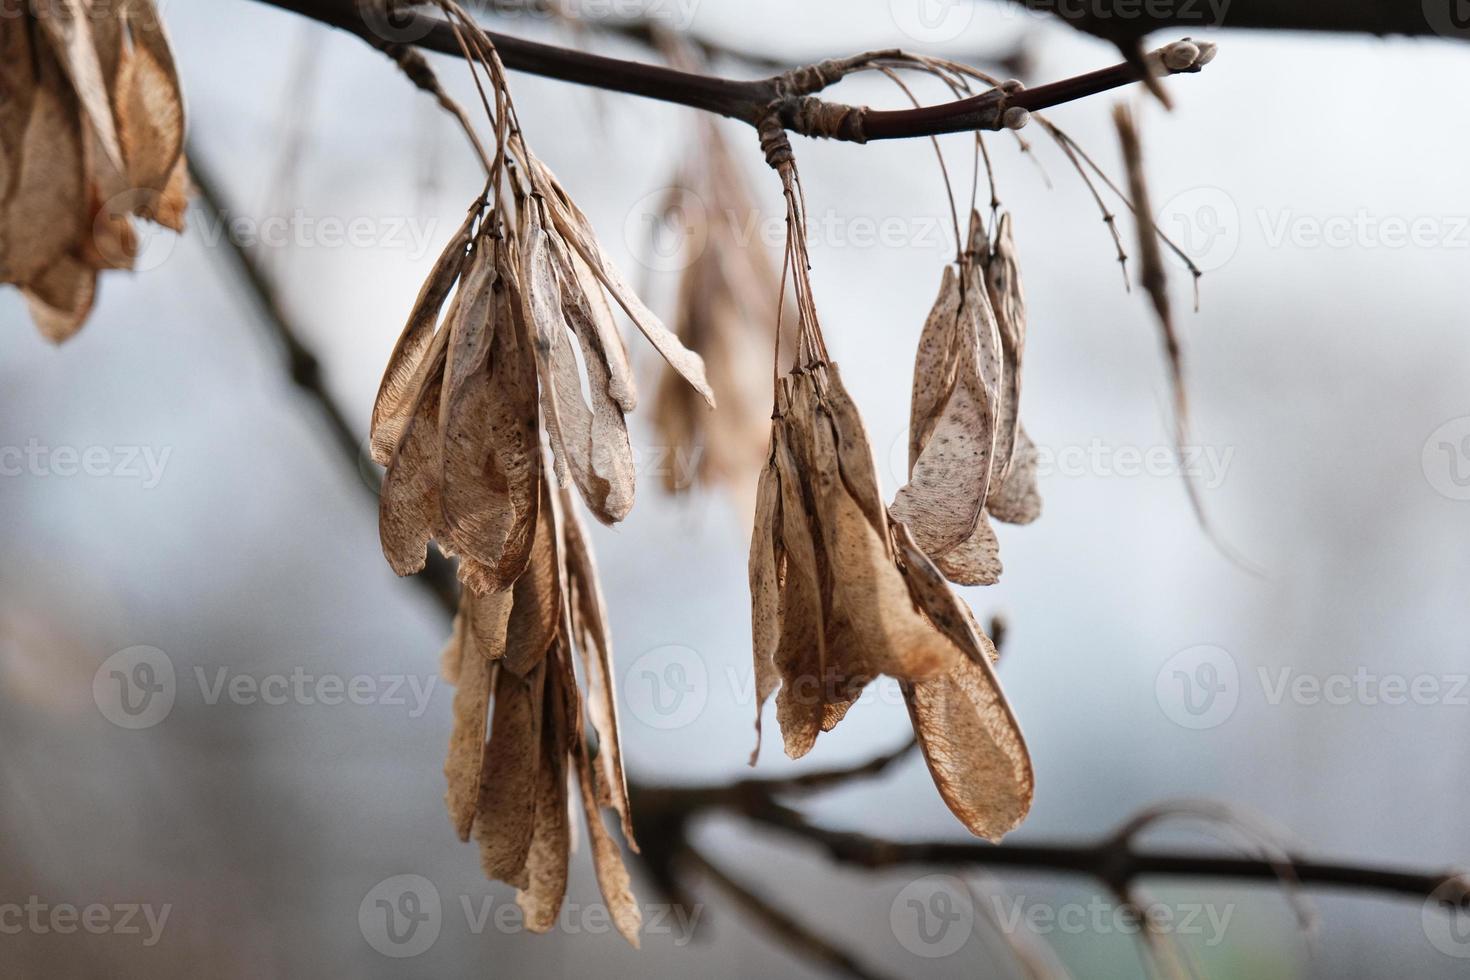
x=747 y=101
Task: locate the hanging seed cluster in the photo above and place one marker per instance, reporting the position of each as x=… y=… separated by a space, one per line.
x=91 y=135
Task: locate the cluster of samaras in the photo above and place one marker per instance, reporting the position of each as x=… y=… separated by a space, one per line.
x=91 y=135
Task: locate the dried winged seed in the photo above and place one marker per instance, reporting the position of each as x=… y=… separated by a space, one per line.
x=1008 y=299
x=854 y=452
x=1017 y=500
x=61 y=298
x=409 y=512
x=607 y=860
x=549 y=856
x=965 y=728
x=934 y=364
x=149 y=102
x=945 y=495
x=561 y=384
x=621 y=385
x=396 y=392
x=594 y=643
x=765 y=590
x=45 y=211
x=505 y=819
x=466 y=757
x=872 y=625
x=487 y=623
x=612 y=469
x=536 y=615
x=474 y=493
x=574 y=227
x=174 y=201
x=67 y=25
x=976 y=560
x=18 y=82
x=800 y=653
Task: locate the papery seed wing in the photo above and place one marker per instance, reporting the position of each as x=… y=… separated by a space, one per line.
x=934 y=364
x=854 y=452
x=969 y=737
x=536 y=616
x=549 y=857
x=149 y=105
x=451 y=658
x=1017 y=500
x=575 y=228
x=46 y=209
x=976 y=560
x=594 y=643
x=945 y=495
x=67 y=25
x=409 y=511
x=61 y=298
x=467 y=742
x=766 y=557
x=800 y=654
x=621 y=386
x=505 y=820
x=395 y=393
x=873 y=626
x=1008 y=299
x=611 y=476
x=607 y=860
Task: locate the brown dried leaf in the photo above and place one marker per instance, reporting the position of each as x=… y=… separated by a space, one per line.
x=148 y=102
x=46 y=209
x=1017 y=500
x=801 y=653
x=536 y=616
x=607 y=859
x=934 y=364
